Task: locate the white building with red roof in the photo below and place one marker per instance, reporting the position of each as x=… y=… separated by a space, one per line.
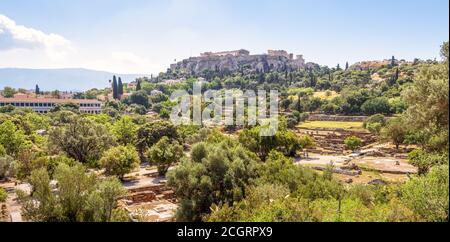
x=44 y=105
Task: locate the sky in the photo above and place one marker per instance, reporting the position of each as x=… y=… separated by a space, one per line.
x=146 y=36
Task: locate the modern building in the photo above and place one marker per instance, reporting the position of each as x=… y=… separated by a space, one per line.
x=44 y=105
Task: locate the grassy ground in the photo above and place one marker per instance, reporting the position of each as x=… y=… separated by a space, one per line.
x=332 y=125
x=368 y=176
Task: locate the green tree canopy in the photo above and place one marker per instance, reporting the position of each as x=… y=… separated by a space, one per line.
x=81 y=139
x=164 y=154
x=428 y=104
x=219 y=178
x=150 y=133
x=125 y=130
x=120 y=160
x=12 y=138
x=79 y=197
x=378 y=105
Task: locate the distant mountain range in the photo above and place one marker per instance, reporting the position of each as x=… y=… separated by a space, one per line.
x=70 y=79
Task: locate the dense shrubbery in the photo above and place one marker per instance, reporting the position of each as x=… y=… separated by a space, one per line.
x=302 y=195
x=217 y=173
x=120 y=160
x=353 y=143
x=3 y=195
x=164 y=154
x=80 y=197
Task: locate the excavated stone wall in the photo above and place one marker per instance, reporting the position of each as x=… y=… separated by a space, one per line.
x=323 y=117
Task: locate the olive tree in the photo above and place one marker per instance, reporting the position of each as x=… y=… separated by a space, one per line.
x=217 y=176
x=150 y=133
x=165 y=153
x=118 y=161
x=353 y=143
x=395 y=131
x=125 y=130
x=428 y=196
x=11 y=138
x=81 y=139
x=79 y=197
x=8 y=167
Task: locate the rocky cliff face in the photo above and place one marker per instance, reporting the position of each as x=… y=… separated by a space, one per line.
x=198 y=65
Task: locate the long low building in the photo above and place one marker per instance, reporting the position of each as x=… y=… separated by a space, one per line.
x=44 y=105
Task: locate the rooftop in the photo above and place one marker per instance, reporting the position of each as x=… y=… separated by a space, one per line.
x=48 y=100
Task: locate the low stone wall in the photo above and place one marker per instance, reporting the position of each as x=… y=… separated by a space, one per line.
x=149 y=194
x=142 y=197
x=323 y=117
x=340 y=171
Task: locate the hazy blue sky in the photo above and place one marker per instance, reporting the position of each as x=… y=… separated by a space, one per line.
x=146 y=36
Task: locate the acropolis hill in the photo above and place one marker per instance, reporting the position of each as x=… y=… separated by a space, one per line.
x=239 y=59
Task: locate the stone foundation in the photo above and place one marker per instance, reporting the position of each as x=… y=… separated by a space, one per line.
x=336 y=118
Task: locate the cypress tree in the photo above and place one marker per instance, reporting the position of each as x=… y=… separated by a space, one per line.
x=37 y=90
x=346 y=65
x=138 y=86
x=393 y=61
x=115 y=89
x=120 y=87
x=397 y=74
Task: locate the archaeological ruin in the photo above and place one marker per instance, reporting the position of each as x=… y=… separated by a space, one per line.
x=238 y=59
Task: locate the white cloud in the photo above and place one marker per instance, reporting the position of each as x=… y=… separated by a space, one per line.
x=13 y=36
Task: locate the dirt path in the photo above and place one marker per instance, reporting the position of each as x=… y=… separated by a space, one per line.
x=142 y=178
x=12 y=205
x=387 y=168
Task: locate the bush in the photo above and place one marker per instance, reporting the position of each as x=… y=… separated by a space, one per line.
x=165 y=153
x=150 y=133
x=281 y=170
x=119 y=161
x=353 y=143
x=139 y=98
x=376 y=105
x=428 y=196
x=49 y=163
x=138 y=109
x=284 y=141
x=291 y=121
x=375 y=119
x=12 y=138
x=424 y=161
x=8 y=167
x=2 y=151
x=3 y=195
x=397 y=105
x=303 y=117
x=199 y=152
x=7 y=109
x=330 y=108
x=82 y=139
x=125 y=130
x=220 y=178
x=81 y=196
x=374 y=128
x=395 y=131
